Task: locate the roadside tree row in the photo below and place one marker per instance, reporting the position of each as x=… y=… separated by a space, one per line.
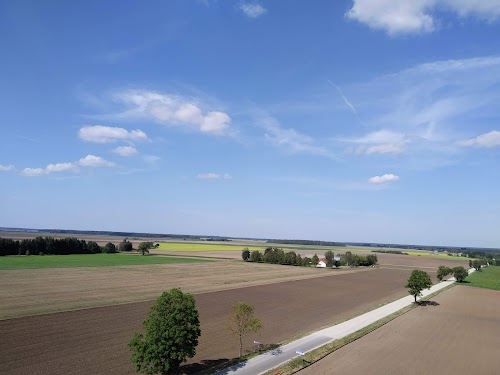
x=276 y=255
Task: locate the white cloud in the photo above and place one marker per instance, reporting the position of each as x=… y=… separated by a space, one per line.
x=108 y=134
x=387 y=148
x=151 y=159
x=384 y=179
x=172 y=110
x=380 y=142
x=421 y=112
x=87 y=161
x=290 y=139
x=252 y=10
x=95 y=161
x=214 y=176
x=51 y=168
x=6 y=168
x=417 y=16
x=491 y=139
x=125 y=151
x=33 y=172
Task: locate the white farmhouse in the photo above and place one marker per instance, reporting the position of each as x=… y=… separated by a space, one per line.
x=322 y=263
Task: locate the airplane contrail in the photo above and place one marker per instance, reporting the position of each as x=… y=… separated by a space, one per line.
x=346 y=101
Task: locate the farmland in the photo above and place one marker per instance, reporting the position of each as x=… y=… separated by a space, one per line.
x=202 y=247
x=488 y=277
x=87 y=260
x=438 y=339
x=37 y=291
x=95 y=340
x=91 y=304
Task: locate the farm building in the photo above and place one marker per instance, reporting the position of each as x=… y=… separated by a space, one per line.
x=322 y=263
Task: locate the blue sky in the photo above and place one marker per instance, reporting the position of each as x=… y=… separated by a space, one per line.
x=359 y=120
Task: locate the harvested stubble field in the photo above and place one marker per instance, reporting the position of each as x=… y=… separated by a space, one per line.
x=457 y=336
x=95 y=340
x=39 y=291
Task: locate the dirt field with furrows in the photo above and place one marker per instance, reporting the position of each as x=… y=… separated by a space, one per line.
x=458 y=336
x=37 y=291
x=94 y=341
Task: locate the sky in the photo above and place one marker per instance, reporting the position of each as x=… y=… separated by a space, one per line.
x=360 y=121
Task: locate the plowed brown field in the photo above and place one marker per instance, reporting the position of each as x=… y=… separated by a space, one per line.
x=94 y=341
x=37 y=291
x=461 y=335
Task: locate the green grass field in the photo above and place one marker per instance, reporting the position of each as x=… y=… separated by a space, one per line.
x=95 y=260
x=488 y=278
x=189 y=246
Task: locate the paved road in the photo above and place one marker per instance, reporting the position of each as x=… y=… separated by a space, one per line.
x=270 y=360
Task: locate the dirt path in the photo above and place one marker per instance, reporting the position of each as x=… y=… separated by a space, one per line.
x=94 y=341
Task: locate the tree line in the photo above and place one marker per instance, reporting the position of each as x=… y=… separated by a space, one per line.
x=275 y=255
x=62 y=246
x=399 y=252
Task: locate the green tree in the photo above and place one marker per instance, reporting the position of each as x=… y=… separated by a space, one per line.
x=298 y=260
x=315 y=259
x=171 y=334
x=443 y=271
x=470 y=263
x=371 y=259
x=245 y=254
x=350 y=260
x=329 y=255
x=241 y=322
x=125 y=245
x=144 y=247
x=93 y=247
x=418 y=281
x=255 y=256
x=460 y=273
x=476 y=263
x=109 y=248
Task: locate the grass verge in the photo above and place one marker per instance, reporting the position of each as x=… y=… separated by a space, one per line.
x=488 y=277
x=91 y=260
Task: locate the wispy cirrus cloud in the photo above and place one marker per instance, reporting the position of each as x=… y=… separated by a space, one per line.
x=6 y=168
x=418 y=16
x=427 y=110
x=126 y=151
x=290 y=140
x=379 y=142
x=252 y=9
x=487 y=140
x=109 y=134
x=214 y=176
